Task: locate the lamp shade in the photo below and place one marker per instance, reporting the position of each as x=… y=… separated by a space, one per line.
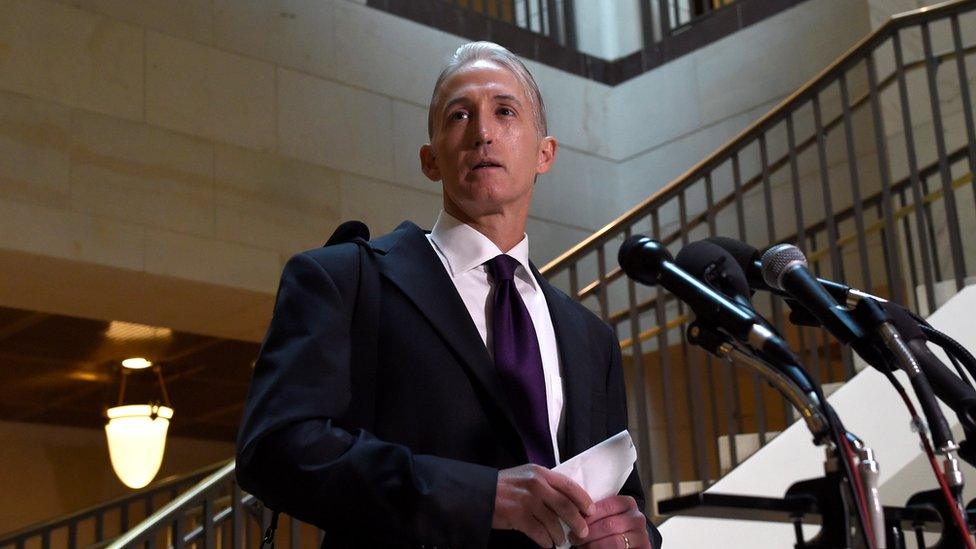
x=136 y=439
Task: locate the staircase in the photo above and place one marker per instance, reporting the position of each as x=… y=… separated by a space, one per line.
x=868 y=168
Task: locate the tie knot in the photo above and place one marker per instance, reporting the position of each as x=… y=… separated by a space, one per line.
x=502 y=267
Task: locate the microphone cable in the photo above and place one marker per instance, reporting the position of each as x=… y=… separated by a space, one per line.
x=951 y=500
x=954 y=350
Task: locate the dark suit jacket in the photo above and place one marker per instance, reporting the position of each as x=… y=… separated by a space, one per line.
x=425 y=473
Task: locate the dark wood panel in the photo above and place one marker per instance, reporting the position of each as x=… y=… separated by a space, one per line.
x=66 y=371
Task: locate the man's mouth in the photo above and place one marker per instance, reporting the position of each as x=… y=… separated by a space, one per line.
x=486 y=164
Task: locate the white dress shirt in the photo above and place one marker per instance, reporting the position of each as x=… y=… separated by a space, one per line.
x=464 y=251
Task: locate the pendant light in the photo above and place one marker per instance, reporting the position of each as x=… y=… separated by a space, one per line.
x=136 y=433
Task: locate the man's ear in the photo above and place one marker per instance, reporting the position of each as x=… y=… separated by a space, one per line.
x=428 y=164
x=547 y=154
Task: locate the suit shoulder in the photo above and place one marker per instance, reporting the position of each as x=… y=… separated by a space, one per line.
x=335 y=258
x=343 y=257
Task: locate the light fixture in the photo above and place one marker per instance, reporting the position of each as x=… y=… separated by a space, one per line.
x=136 y=363
x=136 y=434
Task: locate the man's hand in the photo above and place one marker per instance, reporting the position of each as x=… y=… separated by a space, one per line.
x=531 y=499
x=616 y=524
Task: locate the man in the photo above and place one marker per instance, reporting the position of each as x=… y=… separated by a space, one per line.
x=482 y=376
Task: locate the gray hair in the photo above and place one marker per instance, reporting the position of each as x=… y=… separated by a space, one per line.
x=490 y=51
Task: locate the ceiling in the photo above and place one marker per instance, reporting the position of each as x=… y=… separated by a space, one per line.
x=66 y=370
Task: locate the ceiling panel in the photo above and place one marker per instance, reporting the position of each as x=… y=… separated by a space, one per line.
x=66 y=370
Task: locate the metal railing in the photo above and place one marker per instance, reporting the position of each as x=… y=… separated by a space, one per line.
x=547 y=30
x=867 y=168
x=95 y=525
x=216 y=513
x=205 y=509
x=553 y=19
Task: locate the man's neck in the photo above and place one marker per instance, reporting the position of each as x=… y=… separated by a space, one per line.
x=504 y=229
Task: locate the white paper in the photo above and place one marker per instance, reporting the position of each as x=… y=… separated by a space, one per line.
x=601 y=470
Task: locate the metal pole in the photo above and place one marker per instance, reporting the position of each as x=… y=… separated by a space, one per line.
x=967 y=102
x=837 y=262
x=948 y=194
x=855 y=183
x=915 y=183
x=731 y=385
x=692 y=372
x=740 y=217
x=894 y=263
x=645 y=455
x=667 y=396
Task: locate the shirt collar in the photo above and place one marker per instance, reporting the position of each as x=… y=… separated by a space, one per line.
x=465 y=248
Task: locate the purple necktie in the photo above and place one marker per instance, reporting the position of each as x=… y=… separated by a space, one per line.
x=519 y=362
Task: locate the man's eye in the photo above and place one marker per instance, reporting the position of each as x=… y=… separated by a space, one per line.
x=458 y=115
x=505 y=111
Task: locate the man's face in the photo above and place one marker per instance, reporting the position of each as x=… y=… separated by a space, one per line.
x=486 y=148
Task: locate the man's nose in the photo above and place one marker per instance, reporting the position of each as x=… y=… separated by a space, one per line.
x=483 y=136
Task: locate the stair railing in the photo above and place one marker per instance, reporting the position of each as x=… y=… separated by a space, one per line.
x=105 y=520
x=867 y=168
x=215 y=513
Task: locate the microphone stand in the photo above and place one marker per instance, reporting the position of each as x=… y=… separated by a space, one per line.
x=834 y=499
x=951 y=478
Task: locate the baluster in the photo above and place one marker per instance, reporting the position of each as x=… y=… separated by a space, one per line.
x=569 y=20
x=836 y=262
x=964 y=94
x=176 y=532
x=646 y=453
x=731 y=382
x=948 y=194
x=692 y=371
x=914 y=183
x=601 y=256
x=855 y=183
x=670 y=415
x=238 y=518
x=208 y=518
x=892 y=255
x=775 y=304
x=757 y=386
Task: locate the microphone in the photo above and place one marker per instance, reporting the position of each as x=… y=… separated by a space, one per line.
x=749 y=259
x=717 y=268
x=784 y=268
x=649 y=262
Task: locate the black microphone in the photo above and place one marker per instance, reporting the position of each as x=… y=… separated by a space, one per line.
x=749 y=259
x=784 y=268
x=649 y=262
x=717 y=268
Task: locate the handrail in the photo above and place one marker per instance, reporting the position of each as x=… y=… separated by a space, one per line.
x=812 y=256
x=691 y=175
x=621 y=315
x=64 y=520
x=174 y=508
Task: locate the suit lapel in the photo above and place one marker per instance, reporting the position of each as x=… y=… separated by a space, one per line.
x=571 y=339
x=409 y=261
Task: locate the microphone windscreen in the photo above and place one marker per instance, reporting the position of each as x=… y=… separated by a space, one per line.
x=744 y=254
x=642 y=258
x=704 y=259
